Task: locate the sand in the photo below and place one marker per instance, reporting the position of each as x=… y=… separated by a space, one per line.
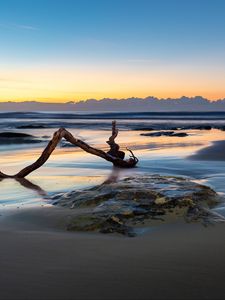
x=173 y=261
x=176 y=261
x=213 y=152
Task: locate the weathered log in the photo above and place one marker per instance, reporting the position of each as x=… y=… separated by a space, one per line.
x=114 y=148
x=115 y=159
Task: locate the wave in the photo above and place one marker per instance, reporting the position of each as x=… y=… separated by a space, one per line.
x=114 y=115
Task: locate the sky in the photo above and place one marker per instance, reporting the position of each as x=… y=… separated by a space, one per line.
x=70 y=50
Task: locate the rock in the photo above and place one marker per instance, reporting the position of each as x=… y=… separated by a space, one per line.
x=208 y=217
x=85 y=223
x=144 y=129
x=104 y=225
x=112 y=226
x=180 y=134
x=203 y=127
x=160 y=200
x=18 y=138
x=158 y=133
x=32 y=126
x=118 y=207
x=165 y=133
x=15 y=135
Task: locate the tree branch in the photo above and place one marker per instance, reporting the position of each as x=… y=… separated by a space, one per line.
x=114 y=155
x=115 y=148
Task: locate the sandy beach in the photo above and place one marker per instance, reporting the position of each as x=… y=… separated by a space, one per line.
x=112 y=161
x=213 y=152
x=179 y=261
x=176 y=260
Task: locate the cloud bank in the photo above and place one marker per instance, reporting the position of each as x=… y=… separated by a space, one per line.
x=148 y=104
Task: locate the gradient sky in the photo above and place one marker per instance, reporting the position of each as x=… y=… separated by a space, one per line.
x=60 y=50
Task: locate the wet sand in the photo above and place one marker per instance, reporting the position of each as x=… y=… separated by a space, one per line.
x=173 y=261
x=178 y=261
x=213 y=152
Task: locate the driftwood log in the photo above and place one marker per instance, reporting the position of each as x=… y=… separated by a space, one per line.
x=114 y=155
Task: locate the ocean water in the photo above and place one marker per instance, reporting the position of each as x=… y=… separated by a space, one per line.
x=71 y=168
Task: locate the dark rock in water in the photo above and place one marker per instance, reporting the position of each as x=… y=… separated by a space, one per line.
x=197 y=127
x=157 y=127
x=176 y=127
x=15 y=135
x=119 y=207
x=32 y=126
x=158 y=133
x=203 y=127
x=144 y=129
x=165 y=133
x=17 y=138
x=180 y=134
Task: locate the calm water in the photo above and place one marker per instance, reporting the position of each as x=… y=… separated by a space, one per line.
x=71 y=168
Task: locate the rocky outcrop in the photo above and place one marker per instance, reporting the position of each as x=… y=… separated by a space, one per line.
x=177 y=127
x=32 y=126
x=15 y=135
x=121 y=207
x=17 y=138
x=165 y=133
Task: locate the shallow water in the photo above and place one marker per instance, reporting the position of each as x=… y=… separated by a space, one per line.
x=72 y=168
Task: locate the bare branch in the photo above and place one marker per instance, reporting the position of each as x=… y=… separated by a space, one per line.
x=132 y=155
x=113 y=156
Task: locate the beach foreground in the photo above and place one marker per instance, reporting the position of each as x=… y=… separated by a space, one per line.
x=171 y=260
x=178 y=261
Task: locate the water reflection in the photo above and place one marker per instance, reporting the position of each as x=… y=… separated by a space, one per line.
x=70 y=169
x=28 y=185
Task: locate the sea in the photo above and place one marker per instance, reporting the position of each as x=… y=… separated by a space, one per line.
x=70 y=168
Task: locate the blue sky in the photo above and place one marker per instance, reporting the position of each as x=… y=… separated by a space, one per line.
x=116 y=37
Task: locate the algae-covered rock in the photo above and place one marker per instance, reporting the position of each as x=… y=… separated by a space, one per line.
x=119 y=206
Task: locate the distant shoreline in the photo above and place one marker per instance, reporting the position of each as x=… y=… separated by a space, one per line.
x=134 y=104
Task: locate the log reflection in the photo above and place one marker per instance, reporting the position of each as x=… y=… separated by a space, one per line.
x=29 y=185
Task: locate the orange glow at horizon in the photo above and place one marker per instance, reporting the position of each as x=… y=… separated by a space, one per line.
x=75 y=84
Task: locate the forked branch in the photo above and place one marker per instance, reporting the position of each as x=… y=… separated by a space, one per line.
x=114 y=156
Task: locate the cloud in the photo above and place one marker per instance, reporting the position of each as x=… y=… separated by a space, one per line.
x=17 y=26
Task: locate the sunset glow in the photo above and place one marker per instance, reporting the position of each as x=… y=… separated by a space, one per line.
x=137 y=50
x=61 y=84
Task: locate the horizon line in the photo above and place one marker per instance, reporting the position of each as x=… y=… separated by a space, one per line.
x=108 y=98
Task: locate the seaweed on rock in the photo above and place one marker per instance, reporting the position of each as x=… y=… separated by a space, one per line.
x=124 y=205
